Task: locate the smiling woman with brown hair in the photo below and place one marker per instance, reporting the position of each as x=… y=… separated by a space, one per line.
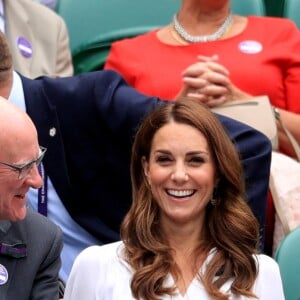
x=189 y=233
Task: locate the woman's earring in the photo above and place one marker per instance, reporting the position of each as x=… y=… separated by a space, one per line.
x=148 y=185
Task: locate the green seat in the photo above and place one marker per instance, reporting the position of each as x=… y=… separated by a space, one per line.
x=291 y=10
x=288 y=258
x=94 y=24
x=87 y=19
x=249 y=7
x=274 y=7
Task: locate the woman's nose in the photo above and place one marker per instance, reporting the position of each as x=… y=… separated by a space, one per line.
x=179 y=173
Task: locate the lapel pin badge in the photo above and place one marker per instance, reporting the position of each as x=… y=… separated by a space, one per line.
x=52 y=131
x=3 y=275
x=24 y=47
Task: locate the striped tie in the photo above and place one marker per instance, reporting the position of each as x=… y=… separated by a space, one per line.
x=18 y=250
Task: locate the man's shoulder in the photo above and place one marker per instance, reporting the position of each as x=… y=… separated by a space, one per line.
x=40 y=229
x=38 y=17
x=35 y=219
x=34 y=9
x=38 y=232
x=42 y=233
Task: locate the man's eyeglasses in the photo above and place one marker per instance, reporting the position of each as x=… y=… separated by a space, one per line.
x=24 y=170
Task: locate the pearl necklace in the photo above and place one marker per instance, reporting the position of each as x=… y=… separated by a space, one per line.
x=202 y=38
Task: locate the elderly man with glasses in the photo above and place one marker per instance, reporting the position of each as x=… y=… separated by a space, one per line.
x=30 y=244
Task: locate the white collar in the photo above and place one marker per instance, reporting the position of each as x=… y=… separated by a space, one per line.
x=16 y=95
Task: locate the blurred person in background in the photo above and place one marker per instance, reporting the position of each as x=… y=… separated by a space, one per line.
x=221 y=56
x=38 y=39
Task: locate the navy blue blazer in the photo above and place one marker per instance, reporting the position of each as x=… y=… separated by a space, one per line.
x=88 y=122
x=34 y=276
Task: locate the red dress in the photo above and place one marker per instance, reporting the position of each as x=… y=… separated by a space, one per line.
x=264 y=59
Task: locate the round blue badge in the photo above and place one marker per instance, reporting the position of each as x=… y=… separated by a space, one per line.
x=250 y=47
x=24 y=46
x=3 y=275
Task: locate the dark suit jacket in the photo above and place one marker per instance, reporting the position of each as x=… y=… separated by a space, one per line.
x=87 y=122
x=35 y=276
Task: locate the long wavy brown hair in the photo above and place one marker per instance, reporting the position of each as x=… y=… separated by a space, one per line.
x=231 y=226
